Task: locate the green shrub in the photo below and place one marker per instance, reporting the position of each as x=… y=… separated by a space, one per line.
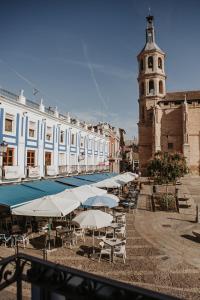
x=167 y=202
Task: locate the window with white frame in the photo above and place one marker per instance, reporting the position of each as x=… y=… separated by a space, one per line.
x=32 y=129
x=62 y=137
x=82 y=142
x=73 y=139
x=101 y=147
x=49 y=133
x=9 y=123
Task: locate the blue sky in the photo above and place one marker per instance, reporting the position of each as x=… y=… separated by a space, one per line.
x=81 y=55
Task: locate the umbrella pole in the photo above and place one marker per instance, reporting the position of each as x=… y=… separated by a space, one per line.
x=49 y=231
x=93 y=241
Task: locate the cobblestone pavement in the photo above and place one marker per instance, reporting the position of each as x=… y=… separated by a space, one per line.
x=162 y=253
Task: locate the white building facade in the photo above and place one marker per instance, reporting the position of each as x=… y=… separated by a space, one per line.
x=42 y=142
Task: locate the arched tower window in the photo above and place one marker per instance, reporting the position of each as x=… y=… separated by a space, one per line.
x=142 y=89
x=150 y=62
x=141 y=64
x=160 y=87
x=159 y=62
x=151 y=87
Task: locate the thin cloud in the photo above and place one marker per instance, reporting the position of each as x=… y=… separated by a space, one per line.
x=108 y=70
x=85 y=52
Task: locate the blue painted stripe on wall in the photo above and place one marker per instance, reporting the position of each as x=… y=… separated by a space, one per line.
x=1 y=123
x=17 y=129
x=38 y=129
x=26 y=130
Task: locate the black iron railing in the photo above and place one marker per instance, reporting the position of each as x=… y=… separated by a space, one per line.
x=50 y=281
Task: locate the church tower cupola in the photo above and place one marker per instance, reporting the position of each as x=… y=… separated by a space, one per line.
x=151 y=76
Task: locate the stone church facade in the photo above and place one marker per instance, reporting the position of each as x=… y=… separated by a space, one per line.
x=168 y=122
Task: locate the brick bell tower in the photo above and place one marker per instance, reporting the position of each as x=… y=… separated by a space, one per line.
x=151 y=81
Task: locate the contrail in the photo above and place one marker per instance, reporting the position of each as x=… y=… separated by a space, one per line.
x=85 y=52
x=35 y=90
x=17 y=73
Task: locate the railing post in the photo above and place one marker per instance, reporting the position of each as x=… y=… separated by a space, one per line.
x=153 y=203
x=45 y=254
x=19 y=279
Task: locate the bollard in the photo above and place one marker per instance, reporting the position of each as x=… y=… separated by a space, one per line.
x=197 y=214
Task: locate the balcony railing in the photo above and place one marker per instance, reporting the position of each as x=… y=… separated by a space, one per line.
x=62 y=170
x=82 y=169
x=52 y=281
x=73 y=169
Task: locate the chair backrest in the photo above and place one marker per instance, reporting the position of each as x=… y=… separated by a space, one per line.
x=123 y=249
x=101 y=244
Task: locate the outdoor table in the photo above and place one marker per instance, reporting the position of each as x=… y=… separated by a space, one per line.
x=112 y=243
x=114 y=226
x=117 y=215
x=62 y=232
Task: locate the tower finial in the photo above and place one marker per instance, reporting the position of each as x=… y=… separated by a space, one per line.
x=150 y=34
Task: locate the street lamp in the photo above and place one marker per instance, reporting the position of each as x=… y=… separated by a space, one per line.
x=3 y=149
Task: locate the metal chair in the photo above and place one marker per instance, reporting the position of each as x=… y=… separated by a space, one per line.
x=79 y=233
x=104 y=251
x=121 y=252
x=22 y=239
x=5 y=239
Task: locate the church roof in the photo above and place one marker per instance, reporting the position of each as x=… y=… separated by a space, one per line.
x=151 y=47
x=177 y=96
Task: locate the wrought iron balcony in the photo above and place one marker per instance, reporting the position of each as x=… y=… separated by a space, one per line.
x=52 y=281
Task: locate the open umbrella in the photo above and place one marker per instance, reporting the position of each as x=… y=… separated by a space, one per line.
x=104 y=200
x=108 y=183
x=93 y=219
x=58 y=205
x=82 y=193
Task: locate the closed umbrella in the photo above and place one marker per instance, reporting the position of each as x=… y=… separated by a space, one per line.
x=104 y=200
x=93 y=219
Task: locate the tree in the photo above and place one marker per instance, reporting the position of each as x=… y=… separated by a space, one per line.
x=167 y=167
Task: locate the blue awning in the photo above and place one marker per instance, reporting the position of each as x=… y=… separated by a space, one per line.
x=73 y=181
x=48 y=186
x=95 y=177
x=13 y=195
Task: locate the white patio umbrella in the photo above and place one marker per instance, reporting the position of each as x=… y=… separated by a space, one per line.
x=82 y=193
x=124 y=178
x=108 y=183
x=93 y=219
x=57 y=205
x=133 y=174
x=101 y=201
